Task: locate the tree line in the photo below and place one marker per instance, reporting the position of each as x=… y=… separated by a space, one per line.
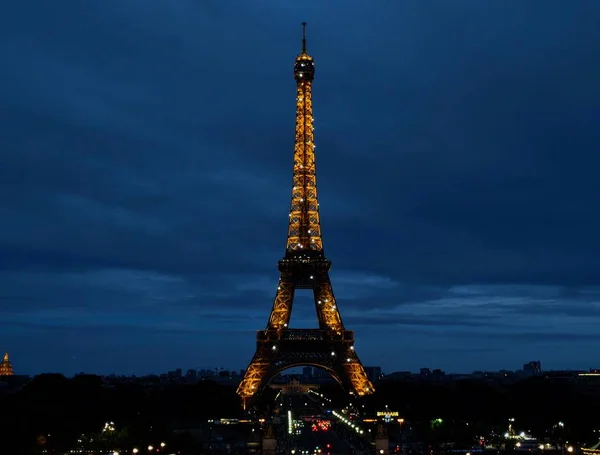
x=65 y=409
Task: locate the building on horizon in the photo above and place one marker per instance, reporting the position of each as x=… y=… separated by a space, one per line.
x=533 y=368
x=6 y=368
x=307 y=372
x=373 y=373
x=191 y=374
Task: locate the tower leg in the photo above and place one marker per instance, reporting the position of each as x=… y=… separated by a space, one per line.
x=254 y=378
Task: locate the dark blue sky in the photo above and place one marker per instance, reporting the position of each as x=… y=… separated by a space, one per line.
x=145 y=173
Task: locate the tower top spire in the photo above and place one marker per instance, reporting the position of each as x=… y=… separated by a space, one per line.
x=304 y=68
x=304 y=37
x=5 y=356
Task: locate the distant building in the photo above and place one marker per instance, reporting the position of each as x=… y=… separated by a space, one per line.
x=400 y=376
x=425 y=373
x=205 y=373
x=307 y=372
x=533 y=368
x=191 y=374
x=373 y=373
x=6 y=368
x=294 y=387
x=438 y=375
x=319 y=373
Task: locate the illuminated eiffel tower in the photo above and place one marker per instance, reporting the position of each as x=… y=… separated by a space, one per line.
x=304 y=266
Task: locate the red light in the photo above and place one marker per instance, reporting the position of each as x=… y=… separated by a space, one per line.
x=329 y=446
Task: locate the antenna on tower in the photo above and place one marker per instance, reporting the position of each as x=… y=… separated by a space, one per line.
x=304 y=37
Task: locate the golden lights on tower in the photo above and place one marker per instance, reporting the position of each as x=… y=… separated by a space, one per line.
x=304 y=266
x=304 y=230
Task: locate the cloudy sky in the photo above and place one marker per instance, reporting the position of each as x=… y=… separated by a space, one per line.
x=145 y=174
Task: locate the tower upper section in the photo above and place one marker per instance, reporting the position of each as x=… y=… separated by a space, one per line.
x=304 y=67
x=304 y=231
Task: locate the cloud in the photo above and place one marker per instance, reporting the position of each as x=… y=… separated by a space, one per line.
x=438 y=320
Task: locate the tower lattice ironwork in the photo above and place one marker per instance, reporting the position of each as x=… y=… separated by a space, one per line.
x=304 y=266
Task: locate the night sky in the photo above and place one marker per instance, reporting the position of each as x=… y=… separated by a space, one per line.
x=145 y=178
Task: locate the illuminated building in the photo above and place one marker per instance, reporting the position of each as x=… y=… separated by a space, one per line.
x=594 y=450
x=6 y=368
x=294 y=387
x=304 y=266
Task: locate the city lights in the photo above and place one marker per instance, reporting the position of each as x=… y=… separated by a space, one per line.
x=348 y=422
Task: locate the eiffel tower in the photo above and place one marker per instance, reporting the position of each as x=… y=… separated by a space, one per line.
x=304 y=266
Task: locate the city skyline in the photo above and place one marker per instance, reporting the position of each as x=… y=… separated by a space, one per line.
x=147 y=168
x=295 y=371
